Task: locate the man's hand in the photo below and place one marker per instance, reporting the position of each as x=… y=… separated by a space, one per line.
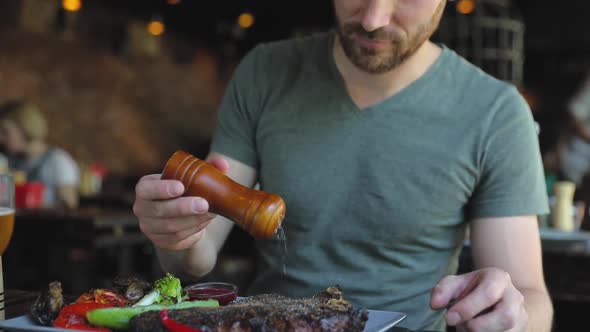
x=172 y=222
x=481 y=301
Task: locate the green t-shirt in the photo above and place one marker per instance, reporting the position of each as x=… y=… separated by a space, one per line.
x=377 y=199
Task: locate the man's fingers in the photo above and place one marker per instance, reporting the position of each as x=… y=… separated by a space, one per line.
x=180 y=235
x=179 y=241
x=219 y=163
x=152 y=188
x=161 y=226
x=151 y=177
x=448 y=289
x=507 y=314
x=490 y=288
x=179 y=207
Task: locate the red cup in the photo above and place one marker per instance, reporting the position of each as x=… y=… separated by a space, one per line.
x=29 y=195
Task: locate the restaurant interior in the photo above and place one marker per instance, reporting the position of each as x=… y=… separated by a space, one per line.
x=122 y=85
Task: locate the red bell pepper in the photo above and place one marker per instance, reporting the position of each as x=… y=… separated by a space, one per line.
x=174 y=326
x=73 y=317
x=105 y=296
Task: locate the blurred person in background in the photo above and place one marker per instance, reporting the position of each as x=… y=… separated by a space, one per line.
x=574 y=154
x=24 y=130
x=3 y=159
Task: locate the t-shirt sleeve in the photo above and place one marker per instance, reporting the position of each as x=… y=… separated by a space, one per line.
x=235 y=133
x=65 y=169
x=511 y=181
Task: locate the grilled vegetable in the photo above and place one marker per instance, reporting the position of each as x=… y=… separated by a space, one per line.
x=47 y=306
x=73 y=317
x=132 y=288
x=167 y=290
x=174 y=326
x=105 y=296
x=118 y=318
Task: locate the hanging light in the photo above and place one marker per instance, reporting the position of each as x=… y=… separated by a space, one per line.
x=71 y=5
x=173 y=2
x=246 y=20
x=465 y=7
x=156 y=27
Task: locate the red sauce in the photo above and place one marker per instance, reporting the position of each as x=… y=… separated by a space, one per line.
x=223 y=295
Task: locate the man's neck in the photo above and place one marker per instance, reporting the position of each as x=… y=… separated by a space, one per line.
x=367 y=89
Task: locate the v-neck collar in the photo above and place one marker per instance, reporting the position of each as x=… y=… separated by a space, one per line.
x=416 y=89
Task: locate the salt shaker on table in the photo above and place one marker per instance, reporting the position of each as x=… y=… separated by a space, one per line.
x=562 y=214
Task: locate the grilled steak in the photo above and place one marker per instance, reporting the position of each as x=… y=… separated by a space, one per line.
x=326 y=311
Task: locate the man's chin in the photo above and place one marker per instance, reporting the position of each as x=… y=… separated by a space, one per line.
x=374 y=66
x=374 y=69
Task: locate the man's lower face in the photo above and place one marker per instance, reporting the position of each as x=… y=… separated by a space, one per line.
x=382 y=50
x=374 y=52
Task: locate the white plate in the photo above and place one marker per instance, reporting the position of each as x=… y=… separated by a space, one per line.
x=379 y=321
x=25 y=323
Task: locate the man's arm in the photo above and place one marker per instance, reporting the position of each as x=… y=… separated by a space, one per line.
x=507 y=292
x=513 y=244
x=200 y=258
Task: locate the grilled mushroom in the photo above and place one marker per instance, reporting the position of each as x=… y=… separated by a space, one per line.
x=47 y=306
x=132 y=288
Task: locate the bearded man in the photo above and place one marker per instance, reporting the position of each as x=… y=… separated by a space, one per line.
x=384 y=146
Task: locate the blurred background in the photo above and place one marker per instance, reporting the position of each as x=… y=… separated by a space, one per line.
x=123 y=84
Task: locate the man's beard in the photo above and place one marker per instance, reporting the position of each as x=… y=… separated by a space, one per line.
x=379 y=61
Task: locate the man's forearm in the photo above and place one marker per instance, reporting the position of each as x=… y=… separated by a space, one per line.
x=194 y=262
x=540 y=310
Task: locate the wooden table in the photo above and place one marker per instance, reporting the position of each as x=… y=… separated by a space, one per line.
x=82 y=248
x=570 y=243
x=17 y=302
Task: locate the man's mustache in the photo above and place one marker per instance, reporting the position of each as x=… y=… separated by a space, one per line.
x=358 y=30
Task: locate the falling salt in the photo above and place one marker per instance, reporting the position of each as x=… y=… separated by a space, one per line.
x=283 y=243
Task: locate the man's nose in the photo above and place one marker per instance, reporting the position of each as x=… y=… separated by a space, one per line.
x=377 y=14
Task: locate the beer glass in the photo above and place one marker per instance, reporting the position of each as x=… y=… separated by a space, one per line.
x=6 y=225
